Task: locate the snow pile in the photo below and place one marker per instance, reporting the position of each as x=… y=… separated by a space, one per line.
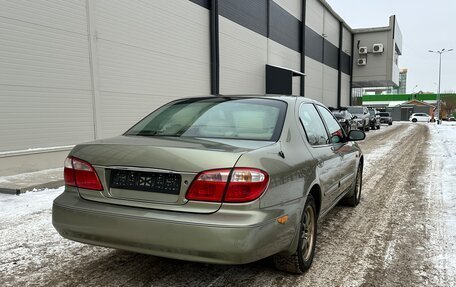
x=441 y=190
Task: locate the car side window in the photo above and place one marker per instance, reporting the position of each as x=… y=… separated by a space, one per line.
x=313 y=126
x=333 y=126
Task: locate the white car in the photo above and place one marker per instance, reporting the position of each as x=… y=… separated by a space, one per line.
x=420 y=117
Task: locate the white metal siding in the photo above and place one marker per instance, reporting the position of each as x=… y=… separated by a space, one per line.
x=149 y=53
x=330 y=81
x=347 y=41
x=45 y=86
x=294 y=7
x=314 y=80
x=331 y=28
x=279 y=55
x=314 y=15
x=345 y=88
x=243 y=58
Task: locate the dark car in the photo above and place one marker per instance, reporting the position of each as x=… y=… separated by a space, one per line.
x=374 y=119
x=385 y=118
x=345 y=119
x=361 y=116
x=226 y=180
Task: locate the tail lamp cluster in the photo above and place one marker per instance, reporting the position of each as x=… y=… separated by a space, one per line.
x=81 y=174
x=228 y=185
x=235 y=185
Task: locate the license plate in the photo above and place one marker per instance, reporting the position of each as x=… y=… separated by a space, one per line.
x=146 y=181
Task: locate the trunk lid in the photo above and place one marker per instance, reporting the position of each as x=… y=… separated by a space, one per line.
x=155 y=172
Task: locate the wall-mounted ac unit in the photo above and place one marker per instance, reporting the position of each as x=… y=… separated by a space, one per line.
x=362 y=62
x=378 y=48
x=362 y=50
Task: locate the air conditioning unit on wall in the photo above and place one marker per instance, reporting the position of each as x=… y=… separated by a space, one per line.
x=362 y=62
x=362 y=50
x=378 y=48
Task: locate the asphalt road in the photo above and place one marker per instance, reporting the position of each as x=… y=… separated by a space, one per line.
x=390 y=239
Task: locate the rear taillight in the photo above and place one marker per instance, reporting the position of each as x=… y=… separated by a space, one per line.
x=81 y=174
x=238 y=185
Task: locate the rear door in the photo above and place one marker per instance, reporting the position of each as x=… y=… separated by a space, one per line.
x=345 y=150
x=323 y=151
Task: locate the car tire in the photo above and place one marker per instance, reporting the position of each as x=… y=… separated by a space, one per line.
x=354 y=196
x=378 y=127
x=366 y=128
x=390 y=123
x=414 y=120
x=301 y=260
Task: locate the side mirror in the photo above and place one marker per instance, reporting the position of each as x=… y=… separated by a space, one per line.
x=336 y=139
x=356 y=135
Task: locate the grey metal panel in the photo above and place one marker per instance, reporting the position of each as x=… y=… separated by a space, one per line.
x=250 y=14
x=330 y=55
x=45 y=85
x=243 y=56
x=314 y=45
x=149 y=53
x=202 y=3
x=284 y=28
x=345 y=63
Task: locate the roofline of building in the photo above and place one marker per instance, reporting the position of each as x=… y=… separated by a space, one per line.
x=357 y=30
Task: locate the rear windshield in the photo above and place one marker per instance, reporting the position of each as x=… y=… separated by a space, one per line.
x=216 y=117
x=355 y=110
x=384 y=114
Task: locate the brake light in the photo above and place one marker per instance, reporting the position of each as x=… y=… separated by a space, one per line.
x=246 y=185
x=209 y=186
x=242 y=185
x=81 y=174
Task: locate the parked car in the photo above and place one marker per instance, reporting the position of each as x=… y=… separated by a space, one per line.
x=226 y=180
x=361 y=115
x=385 y=118
x=451 y=119
x=345 y=119
x=374 y=119
x=420 y=117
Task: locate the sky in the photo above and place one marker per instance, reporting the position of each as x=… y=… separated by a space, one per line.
x=425 y=25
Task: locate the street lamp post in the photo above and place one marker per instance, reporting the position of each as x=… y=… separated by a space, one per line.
x=443 y=51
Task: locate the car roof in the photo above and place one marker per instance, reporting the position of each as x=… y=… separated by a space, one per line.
x=286 y=98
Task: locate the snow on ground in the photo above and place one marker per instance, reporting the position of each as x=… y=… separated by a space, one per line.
x=441 y=188
x=30 y=202
x=402 y=234
x=47 y=174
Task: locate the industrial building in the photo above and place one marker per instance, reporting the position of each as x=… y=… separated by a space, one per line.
x=78 y=70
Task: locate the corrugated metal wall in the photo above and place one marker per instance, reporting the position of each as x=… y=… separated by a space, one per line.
x=74 y=70
x=149 y=53
x=45 y=86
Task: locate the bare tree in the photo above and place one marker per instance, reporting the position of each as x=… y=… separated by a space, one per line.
x=449 y=102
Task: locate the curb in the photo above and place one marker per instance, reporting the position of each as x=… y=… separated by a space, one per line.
x=19 y=190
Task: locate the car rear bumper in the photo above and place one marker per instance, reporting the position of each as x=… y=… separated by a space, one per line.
x=171 y=234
